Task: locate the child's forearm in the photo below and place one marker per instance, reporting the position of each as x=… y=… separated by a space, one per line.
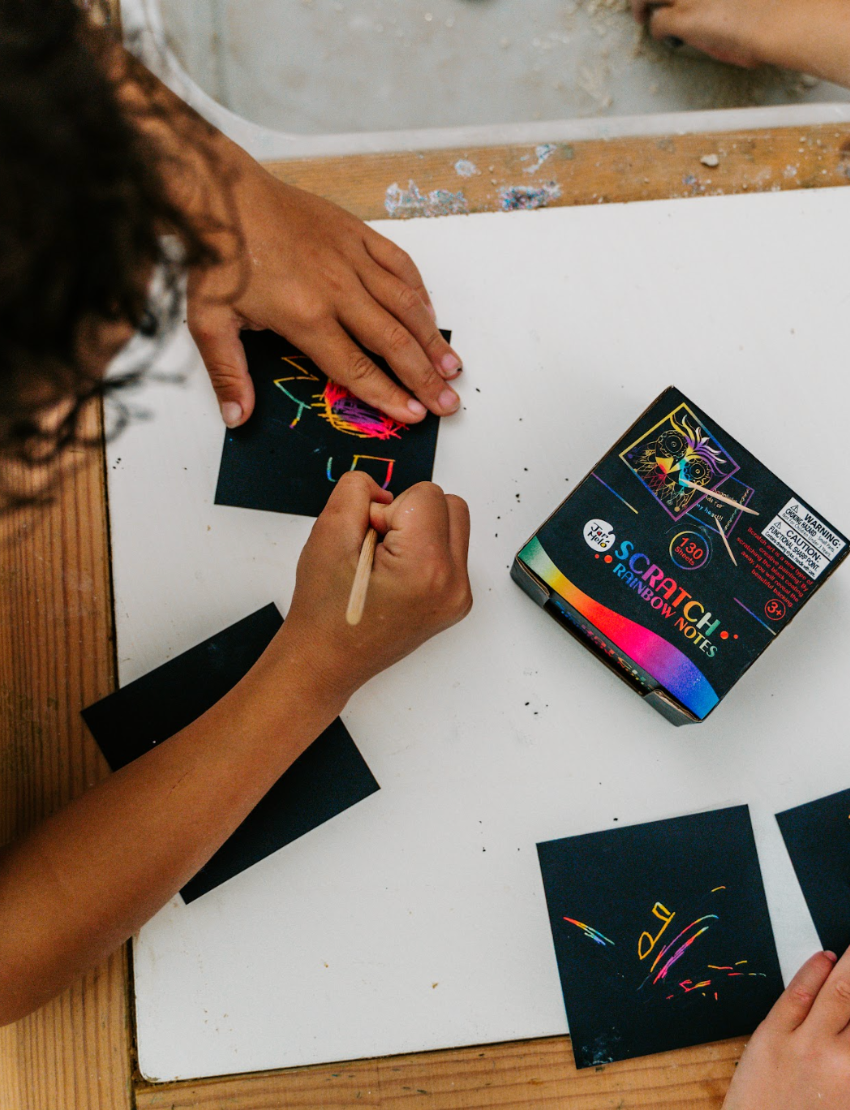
x=88 y=878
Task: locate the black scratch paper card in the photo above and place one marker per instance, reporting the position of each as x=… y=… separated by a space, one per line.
x=329 y=777
x=662 y=934
x=817 y=836
x=306 y=432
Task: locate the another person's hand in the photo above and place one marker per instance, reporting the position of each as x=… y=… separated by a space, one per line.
x=314 y=273
x=799 y=1057
x=724 y=29
x=419 y=584
x=808 y=35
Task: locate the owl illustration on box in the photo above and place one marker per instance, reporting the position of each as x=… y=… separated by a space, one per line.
x=676 y=452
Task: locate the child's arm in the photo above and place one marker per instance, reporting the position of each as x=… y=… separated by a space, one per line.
x=90 y=876
x=305 y=268
x=808 y=35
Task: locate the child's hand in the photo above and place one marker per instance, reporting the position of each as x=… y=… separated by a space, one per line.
x=418 y=587
x=808 y=35
x=728 y=30
x=314 y=273
x=292 y=262
x=799 y=1057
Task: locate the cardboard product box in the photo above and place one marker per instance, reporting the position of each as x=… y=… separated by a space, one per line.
x=635 y=562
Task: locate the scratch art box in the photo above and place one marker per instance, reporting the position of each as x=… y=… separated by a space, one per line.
x=679 y=559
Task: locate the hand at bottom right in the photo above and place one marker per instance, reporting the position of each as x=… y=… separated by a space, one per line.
x=799 y=1057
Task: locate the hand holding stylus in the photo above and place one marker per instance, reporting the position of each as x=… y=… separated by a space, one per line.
x=418 y=585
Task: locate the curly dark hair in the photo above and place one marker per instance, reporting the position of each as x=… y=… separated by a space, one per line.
x=83 y=214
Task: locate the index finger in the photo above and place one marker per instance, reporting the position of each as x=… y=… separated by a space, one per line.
x=338 y=356
x=831 y=1010
x=458 y=528
x=642 y=10
x=398 y=262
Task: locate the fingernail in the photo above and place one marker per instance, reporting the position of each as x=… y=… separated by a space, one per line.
x=416 y=407
x=231 y=413
x=448 y=400
x=831 y=956
x=450 y=364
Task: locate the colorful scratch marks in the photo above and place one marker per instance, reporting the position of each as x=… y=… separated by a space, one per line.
x=593 y=934
x=354 y=417
x=307 y=431
x=687 y=953
x=645 y=949
x=343 y=411
x=384 y=468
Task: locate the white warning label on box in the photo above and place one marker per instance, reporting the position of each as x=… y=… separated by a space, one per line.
x=812 y=528
x=796 y=547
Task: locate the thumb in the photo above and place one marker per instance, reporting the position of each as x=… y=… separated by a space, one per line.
x=221 y=349
x=383 y=511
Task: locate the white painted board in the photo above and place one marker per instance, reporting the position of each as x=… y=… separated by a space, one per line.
x=416 y=920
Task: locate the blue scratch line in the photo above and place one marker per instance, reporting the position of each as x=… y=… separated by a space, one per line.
x=605 y=484
x=755 y=618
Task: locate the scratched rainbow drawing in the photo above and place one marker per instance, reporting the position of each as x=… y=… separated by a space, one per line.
x=345 y=413
x=592 y=934
x=661 y=980
x=306 y=432
x=678 y=450
x=353 y=417
x=382 y=473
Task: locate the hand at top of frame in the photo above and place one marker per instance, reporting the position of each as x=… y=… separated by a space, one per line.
x=808 y=35
x=320 y=277
x=799 y=1057
x=419 y=584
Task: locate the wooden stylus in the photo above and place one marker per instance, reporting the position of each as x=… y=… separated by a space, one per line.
x=360 y=586
x=718 y=496
x=725 y=539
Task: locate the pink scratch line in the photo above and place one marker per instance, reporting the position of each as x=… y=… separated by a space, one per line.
x=662 y=974
x=667 y=947
x=350 y=415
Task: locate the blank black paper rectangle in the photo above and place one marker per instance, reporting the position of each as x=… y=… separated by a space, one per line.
x=817 y=836
x=329 y=777
x=305 y=432
x=662 y=934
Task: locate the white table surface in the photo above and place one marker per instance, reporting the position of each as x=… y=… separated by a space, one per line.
x=416 y=920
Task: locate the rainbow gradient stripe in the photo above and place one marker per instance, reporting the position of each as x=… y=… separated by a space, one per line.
x=663 y=661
